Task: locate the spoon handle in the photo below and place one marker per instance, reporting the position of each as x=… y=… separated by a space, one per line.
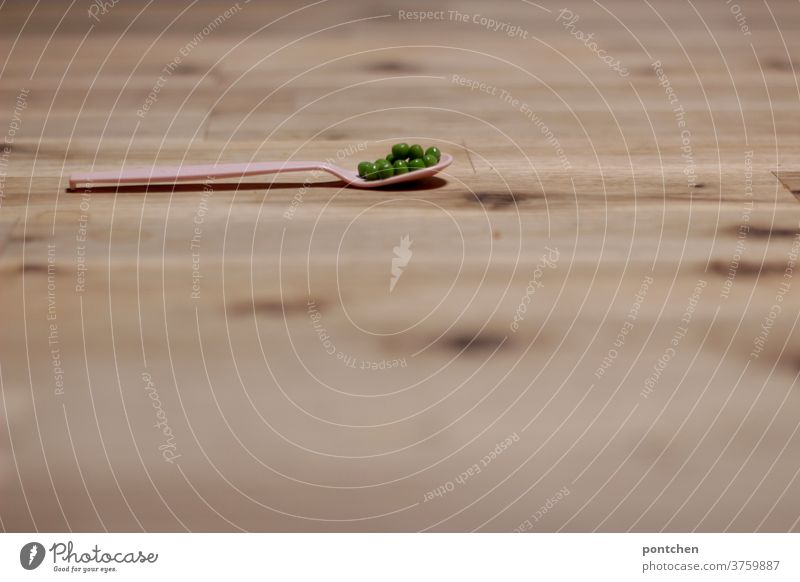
x=191 y=173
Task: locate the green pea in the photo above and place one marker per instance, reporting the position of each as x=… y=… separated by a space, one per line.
x=429 y=160
x=415 y=151
x=384 y=169
x=368 y=171
x=400 y=167
x=365 y=168
x=434 y=151
x=416 y=164
x=400 y=151
x=390 y=158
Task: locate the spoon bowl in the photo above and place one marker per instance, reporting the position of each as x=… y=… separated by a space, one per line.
x=206 y=172
x=357 y=182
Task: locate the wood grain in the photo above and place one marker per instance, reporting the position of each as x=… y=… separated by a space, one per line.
x=652 y=369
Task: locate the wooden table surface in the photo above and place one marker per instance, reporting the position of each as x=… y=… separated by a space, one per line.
x=593 y=319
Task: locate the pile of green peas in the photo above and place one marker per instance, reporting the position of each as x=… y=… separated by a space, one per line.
x=403 y=159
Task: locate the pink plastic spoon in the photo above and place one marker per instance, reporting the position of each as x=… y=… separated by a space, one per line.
x=206 y=172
